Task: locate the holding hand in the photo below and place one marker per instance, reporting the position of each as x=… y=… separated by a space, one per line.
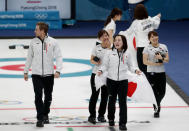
x=159 y=15
x=138 y=72
x=26 y=76
x=158 y=56
x=99 y=73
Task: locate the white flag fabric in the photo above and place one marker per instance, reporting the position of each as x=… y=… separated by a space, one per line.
x=143 y=92
x=100 y=80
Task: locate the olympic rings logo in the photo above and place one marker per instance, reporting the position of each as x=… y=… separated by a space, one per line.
x=41 y=16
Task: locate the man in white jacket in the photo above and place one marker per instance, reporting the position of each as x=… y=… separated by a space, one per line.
x=42 y=51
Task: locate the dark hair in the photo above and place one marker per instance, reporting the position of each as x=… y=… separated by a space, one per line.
x=140 y=12
x=124 y=40
x=152 y=33
x=43 y=26
x=101 y=33
x=115 y=11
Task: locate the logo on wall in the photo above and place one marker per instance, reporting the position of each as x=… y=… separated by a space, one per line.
x=41 y=16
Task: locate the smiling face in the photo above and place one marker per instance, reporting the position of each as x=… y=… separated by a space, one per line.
x=154 y=39
x=104 y=37
x=105 y=40
x=118 y=43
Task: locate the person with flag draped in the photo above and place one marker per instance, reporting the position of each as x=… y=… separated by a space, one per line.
x=116 y=63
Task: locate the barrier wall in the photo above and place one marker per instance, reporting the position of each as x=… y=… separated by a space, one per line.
x=28 y=24
x=63 y=6
x=30 y=15
x=2 y=5
x=28 y=19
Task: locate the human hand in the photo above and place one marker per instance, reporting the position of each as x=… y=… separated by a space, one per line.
x=158 y=56
x=159 y=15
x=99 y=73
x=138 y=72
x=26 y=76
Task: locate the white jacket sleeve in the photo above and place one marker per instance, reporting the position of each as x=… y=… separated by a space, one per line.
x=29 y=59
x=58 y=57
x=130 y=30
x=156 y=22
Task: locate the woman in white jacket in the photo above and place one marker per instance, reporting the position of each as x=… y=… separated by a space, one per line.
x=117 y=62
x=141 y=26
x=110 y=25
x=98 y=52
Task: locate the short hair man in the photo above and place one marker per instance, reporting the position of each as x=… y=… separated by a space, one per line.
x=42 y=51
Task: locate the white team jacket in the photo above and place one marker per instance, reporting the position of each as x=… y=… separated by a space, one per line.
x=141 y=28
x=41 y=56
x=117 y=65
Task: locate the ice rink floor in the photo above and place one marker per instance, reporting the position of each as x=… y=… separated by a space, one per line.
x=69 y=109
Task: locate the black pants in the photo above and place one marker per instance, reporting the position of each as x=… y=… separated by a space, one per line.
x=119 y=88
x=40 y=84
x=94 y=98
x=158 y=83
x=141 y=66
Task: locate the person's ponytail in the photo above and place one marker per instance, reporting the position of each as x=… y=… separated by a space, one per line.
x=107 y=20
x=114 y=12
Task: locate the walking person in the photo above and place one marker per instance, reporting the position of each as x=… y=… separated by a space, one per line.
x=141 y=26
x=110 y=25
x=42 y=51
x=102 y=45
x=117 y=62
x=154 y=56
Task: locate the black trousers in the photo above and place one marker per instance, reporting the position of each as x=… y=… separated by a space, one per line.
x=141 y=66
x=158 y=83
x=119 y=88
x=94 y=98
x=43 y=84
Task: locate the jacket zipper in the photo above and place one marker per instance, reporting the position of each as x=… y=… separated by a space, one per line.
x=42 y=60
x=118 y=64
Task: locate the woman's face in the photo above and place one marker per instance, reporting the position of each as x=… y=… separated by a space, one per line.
x=118 y=17
x=118 y=43
x=154 y=39
x=104 y=38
